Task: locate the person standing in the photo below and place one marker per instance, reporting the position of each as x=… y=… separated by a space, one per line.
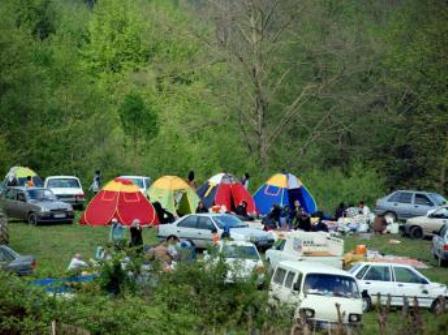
x=190 y=179
x=201 y=208
x=117 y=233
x=245 y=181
x=136 y=235
x=96 y=183
x=29 y=181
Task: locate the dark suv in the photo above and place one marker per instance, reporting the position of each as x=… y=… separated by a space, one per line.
x=35 y=205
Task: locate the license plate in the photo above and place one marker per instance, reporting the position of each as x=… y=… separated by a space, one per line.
x=59 y=215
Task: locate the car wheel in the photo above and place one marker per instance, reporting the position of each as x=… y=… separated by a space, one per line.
x=442 y=262
x=416 y=233
x=390 y=216
x=366 y=303
x=32 y=219
x=439 y=305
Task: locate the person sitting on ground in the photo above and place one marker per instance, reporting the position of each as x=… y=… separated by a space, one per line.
x=161 y=254
x=172 y=246
x=302 y=221
x=201 y=208
x=339 y=213
x=319 y=225
x=241 y=209
x=136 y=235
x=29 y=181
x=363 y=209
x=163 y=215
x=272 y=220
x=77 y=263
x=379 y=224
x=351 y=211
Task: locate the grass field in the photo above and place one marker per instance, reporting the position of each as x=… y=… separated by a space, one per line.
x=54 y=246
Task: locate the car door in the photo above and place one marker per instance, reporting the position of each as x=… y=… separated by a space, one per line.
x=409 y=283
x=438 y=241
x=186 y=228
x=277 y=289
x=10 y=202
x=290 y=288
x=436 y=220
x=377 y=280
x=22 y=206
x=421 y=204
x=401 y=204
x=204 y=231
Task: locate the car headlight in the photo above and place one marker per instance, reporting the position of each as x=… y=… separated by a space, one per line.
x=44 y=209
x=354 y=318
x=307 y=312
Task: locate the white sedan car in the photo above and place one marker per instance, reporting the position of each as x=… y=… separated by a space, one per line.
x=199 y=228
x=399 y=282
x=242 y=259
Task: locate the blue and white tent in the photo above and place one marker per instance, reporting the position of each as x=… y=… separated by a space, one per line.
x=283 y=189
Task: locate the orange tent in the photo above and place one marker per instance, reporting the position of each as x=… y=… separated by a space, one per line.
x=122 y=200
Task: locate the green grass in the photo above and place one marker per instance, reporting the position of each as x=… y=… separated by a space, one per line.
x=54 y=245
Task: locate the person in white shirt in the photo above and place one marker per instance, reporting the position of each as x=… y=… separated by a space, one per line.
x=77 y=263
x=363 y=209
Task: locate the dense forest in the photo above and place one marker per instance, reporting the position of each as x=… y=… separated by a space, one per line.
x=349 y=95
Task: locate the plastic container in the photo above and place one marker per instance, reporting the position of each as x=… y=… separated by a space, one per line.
x=361 y=249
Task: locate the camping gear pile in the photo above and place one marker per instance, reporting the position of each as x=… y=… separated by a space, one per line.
x=362 y=254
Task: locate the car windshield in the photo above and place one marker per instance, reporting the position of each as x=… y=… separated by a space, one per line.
x=63 y=183
x=137 y=181
x=438 y=199
x=355 y=268
x=230 y=221
x=240 y=251
x=331 y=285
x=41 y=194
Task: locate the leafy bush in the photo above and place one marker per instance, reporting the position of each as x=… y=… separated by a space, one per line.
x=360 y=182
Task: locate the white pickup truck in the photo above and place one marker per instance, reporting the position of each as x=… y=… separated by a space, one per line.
x=319 y=247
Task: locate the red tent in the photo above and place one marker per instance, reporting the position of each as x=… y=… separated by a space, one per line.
x=225 y=189
x=119 y=199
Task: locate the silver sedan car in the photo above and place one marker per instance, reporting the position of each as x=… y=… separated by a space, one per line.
x=402 y=205
x=35 y=205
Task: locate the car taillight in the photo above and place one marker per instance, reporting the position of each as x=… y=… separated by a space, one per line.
x=445 y=247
